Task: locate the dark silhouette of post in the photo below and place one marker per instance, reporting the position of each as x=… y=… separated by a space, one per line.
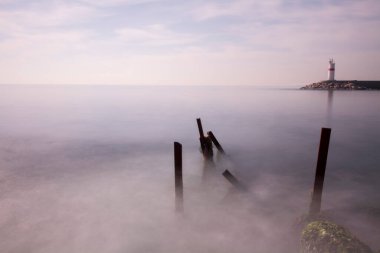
x=178 y=177
x=232 y=179
x=206 y=142
x=201 y=135
x=216 y=142
x=329 y=112
x=315 y=205
x=200 y=128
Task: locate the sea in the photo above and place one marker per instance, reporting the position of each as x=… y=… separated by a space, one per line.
x=90 y=168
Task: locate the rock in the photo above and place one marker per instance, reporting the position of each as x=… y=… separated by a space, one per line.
x=334 y=85
x=327 y=237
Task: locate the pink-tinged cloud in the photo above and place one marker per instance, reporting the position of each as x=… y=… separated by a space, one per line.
x=192 y=42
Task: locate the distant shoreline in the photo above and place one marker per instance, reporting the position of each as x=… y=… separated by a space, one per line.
x=343 y=85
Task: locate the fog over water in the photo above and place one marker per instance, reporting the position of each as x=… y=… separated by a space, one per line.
x=90 y=168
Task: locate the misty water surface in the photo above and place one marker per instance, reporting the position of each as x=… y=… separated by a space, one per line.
x=90 y=168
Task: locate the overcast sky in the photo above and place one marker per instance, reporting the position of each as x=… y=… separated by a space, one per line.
x=192 y=42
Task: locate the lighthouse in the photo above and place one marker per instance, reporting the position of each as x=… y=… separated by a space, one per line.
x=331 y=73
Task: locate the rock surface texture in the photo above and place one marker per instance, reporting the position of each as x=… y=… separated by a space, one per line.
x=327 y=237
x=343 y=85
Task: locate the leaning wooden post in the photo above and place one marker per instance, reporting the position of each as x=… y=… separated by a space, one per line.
x=315 y=205
x=200 y=128
x=227 y=174
x=216 y=142
x=178 y=177
x=201 y=134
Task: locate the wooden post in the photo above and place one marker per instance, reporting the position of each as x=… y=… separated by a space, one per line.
x=200 y=128
x=315 y=205
x=206 y=142
x=216 y=142
x=227 y=174
x=178 y=177
x=201 y=135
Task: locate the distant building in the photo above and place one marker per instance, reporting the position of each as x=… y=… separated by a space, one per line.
x=331 y=73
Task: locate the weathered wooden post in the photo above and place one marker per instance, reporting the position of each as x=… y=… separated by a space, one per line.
x=178 y=177
x=216 y=142
x=206 y=143
x=315 y=205
x=200 y=128
x=227 y=174
x=201 y=134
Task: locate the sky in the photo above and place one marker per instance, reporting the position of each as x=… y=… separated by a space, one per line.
x=193 y=42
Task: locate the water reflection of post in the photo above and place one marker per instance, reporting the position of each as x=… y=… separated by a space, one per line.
x=330 y=97
x=208 y=170
x=208 y=162
x=207 y=151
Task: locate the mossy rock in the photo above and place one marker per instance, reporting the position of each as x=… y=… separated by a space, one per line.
x=327 y=237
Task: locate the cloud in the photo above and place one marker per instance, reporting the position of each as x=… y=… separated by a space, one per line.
x=154 y=35
x=43 y=18
x=276 y=26
x=203 y=41
x=103 y=3
x=239 y=8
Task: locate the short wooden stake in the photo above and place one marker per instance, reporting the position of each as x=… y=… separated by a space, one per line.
x=178 y=177
x=216 y=142
x=315 y=205
x=232 y=179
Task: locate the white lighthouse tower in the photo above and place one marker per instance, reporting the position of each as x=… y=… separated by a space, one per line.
x=331 y=73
